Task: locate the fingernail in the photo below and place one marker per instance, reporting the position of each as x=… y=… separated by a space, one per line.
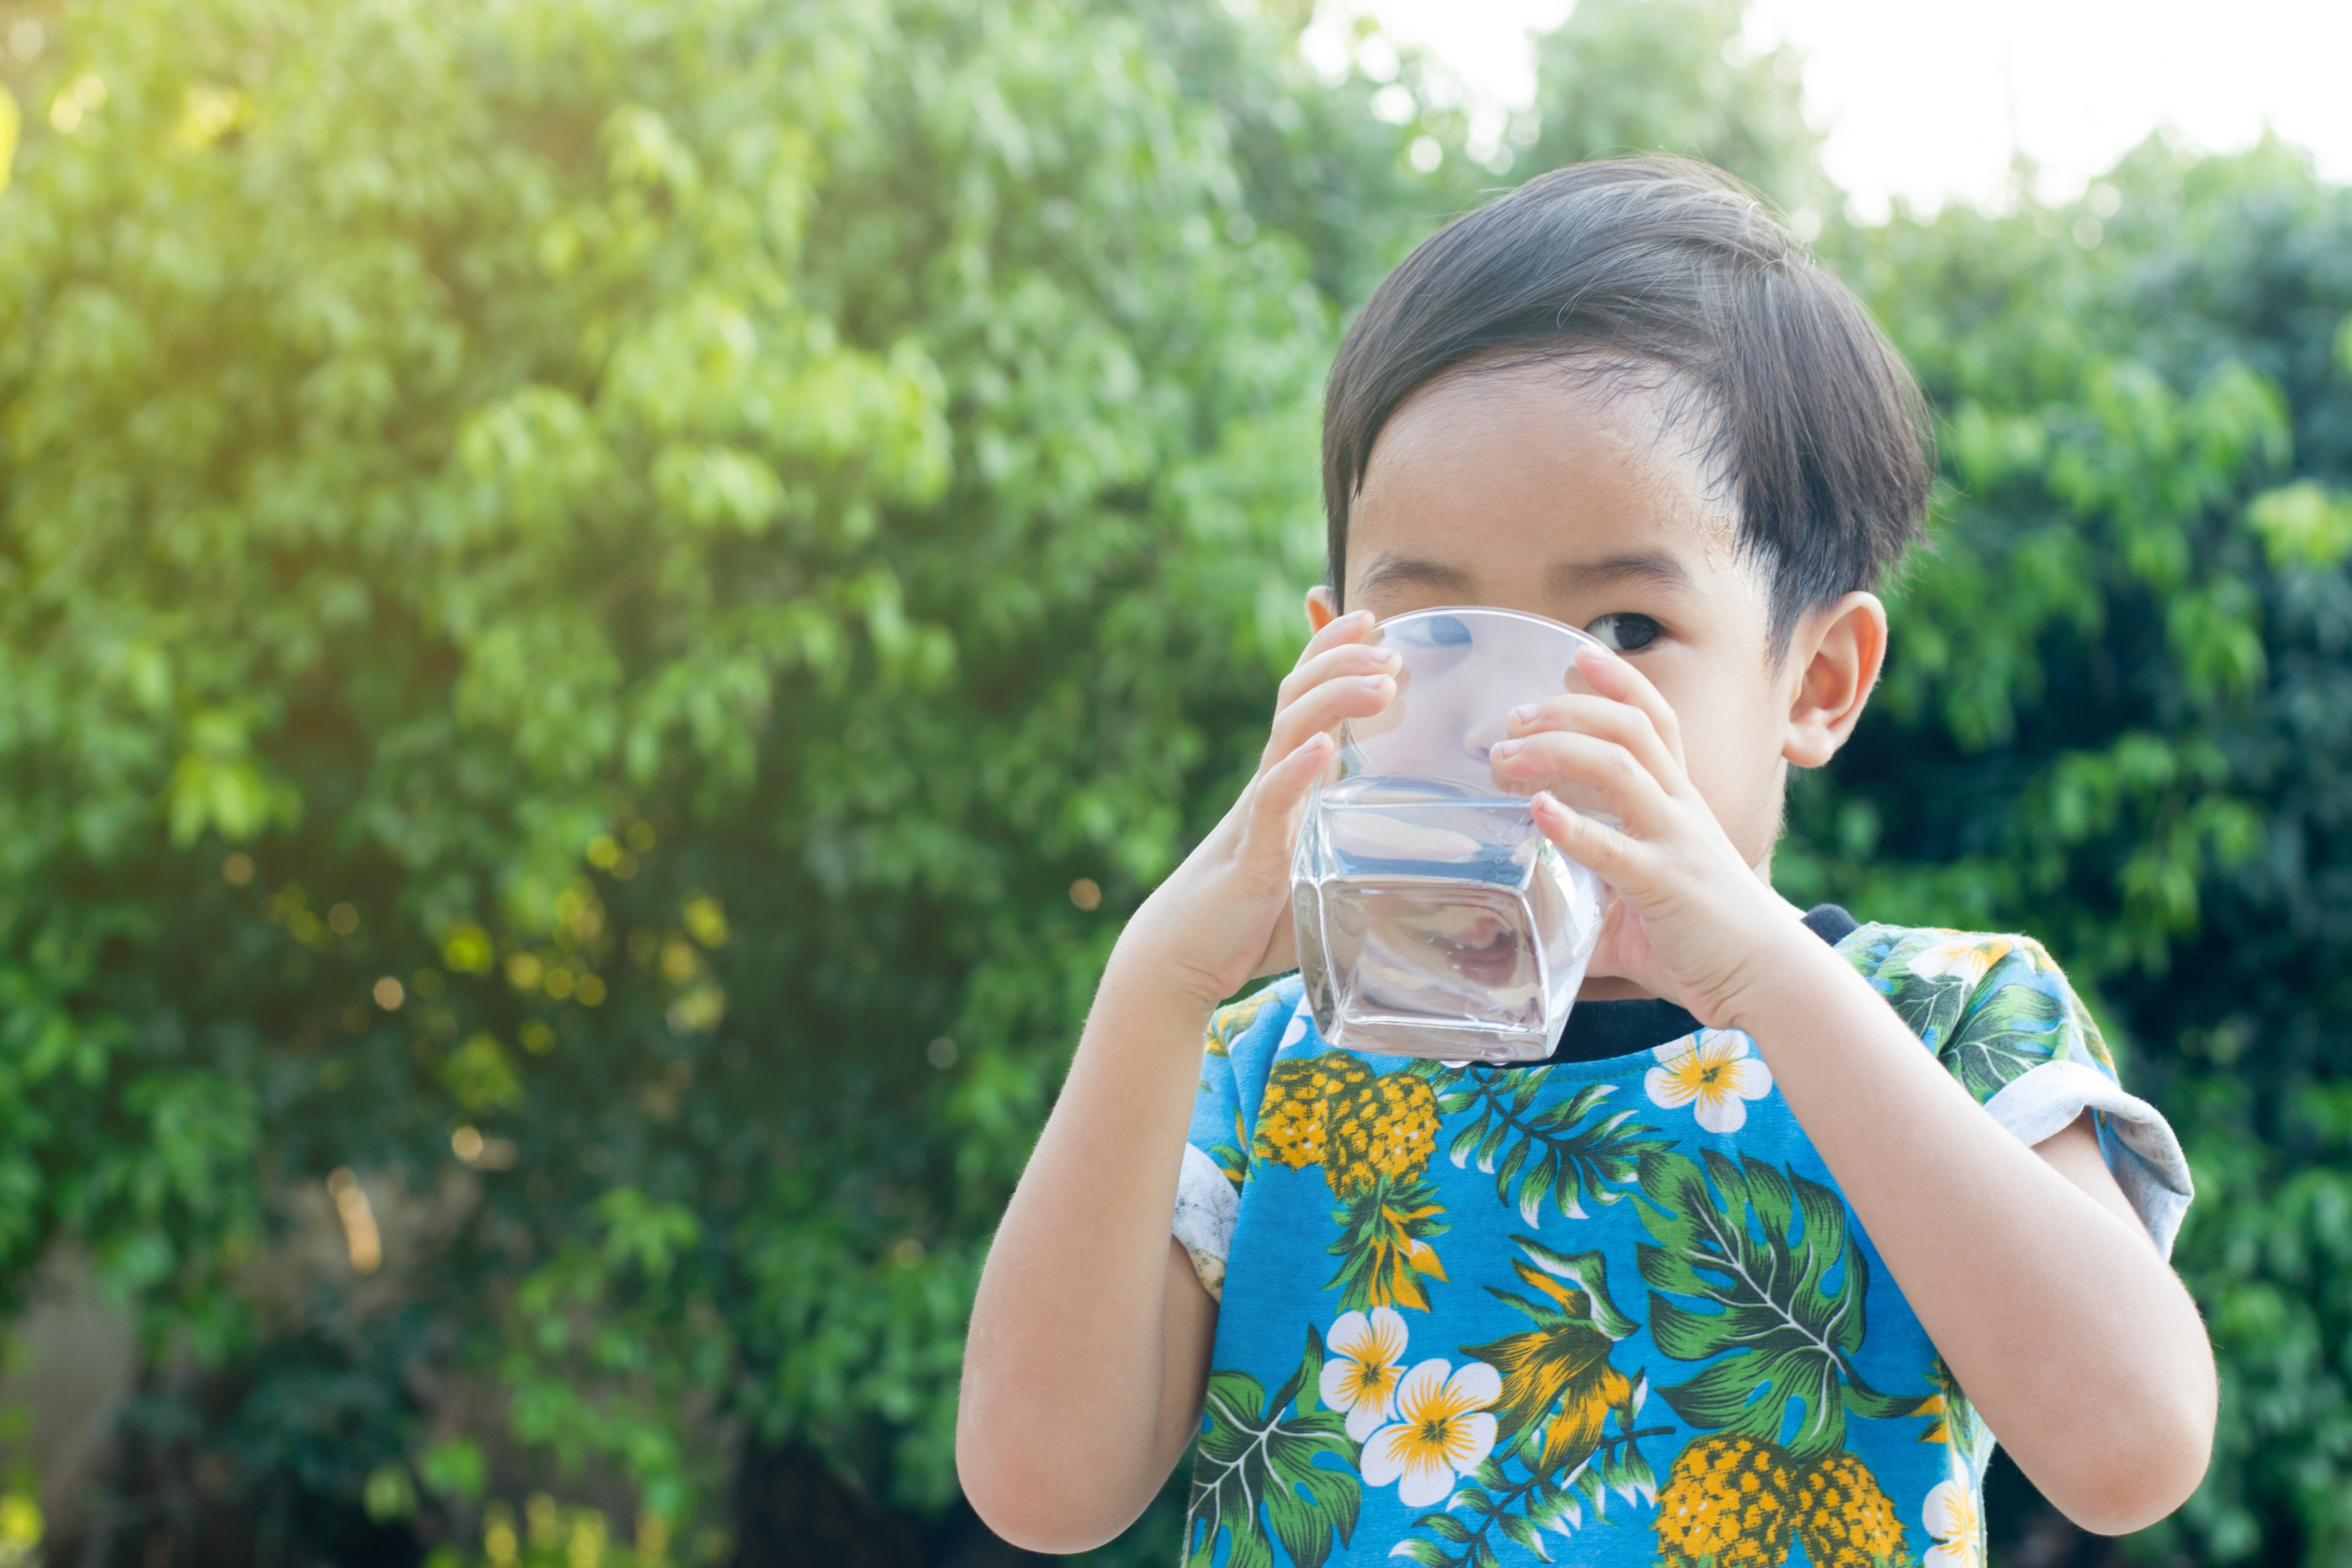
x=1503 y=750
x=1394 y=664
x=1524 y=714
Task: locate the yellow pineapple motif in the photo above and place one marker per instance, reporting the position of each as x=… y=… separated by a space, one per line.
x=1844 y=1517
x=1727 y=1503
x=1292 y=1119
x=1384 y=1126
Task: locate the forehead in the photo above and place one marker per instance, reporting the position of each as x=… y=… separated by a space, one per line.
x=1499 y=474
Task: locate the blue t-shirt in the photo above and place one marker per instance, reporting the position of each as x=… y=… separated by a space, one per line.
x=1597 y=1312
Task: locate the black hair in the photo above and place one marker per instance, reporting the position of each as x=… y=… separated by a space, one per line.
x=1808 y=414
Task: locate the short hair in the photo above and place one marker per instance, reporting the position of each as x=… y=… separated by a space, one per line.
x=1808 y=414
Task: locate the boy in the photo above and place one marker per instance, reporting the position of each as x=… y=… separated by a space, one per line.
x=1408 y=1310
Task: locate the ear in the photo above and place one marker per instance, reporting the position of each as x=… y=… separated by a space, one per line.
x=1835 y=656
x=1322 y=608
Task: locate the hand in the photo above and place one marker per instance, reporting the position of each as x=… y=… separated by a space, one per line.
x=1691 y=921
x=1222 y=918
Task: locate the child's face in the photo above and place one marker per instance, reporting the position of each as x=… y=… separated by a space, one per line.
x=1530 y=489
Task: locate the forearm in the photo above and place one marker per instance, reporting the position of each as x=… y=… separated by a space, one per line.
x=2056 y=1315
x=1064 y=1432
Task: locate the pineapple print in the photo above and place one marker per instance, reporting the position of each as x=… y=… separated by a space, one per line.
x=1292 y=1119
x=1372 y=1135
x=1331 y=1110
x=1384 y=1126
x=1726 y=1504
x=1844 y=1517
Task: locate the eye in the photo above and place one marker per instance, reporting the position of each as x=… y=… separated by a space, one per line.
x=1626 y=632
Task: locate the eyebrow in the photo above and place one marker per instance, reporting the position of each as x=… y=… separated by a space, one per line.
x=1643 y=566
x=1391 y=571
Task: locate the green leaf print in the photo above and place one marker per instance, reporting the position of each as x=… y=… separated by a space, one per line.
x=1560 y=1396
x=1557 y=1385
x=1524 y=1509
x=1973 y=1001
x=1929 y=1006
x=1778 y=1283
x=1383 y=1247
x=2012 y=1031
x=1571 y=1152
x=1258 y=1453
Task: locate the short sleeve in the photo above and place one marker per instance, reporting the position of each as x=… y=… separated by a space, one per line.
x=1235 y=1059
x=2000 y=1016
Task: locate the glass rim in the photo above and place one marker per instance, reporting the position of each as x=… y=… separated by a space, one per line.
x=1575 y=632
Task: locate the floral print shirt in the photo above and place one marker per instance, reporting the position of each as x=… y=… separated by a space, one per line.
x=1597 y=1312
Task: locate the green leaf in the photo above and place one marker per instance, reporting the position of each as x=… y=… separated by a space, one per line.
x=1523 y=1532
x=1383 y=1245
x=2012 y=1031
x=2302 y=524
x=1569 y=1154
x=1776 y=1284
x=1262 y=1467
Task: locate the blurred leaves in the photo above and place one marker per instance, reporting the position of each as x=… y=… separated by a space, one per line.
x=583 y=578
x=694 y=525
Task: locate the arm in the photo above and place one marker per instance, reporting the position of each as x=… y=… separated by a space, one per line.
x=2030 y=1273
x=1089 y=1344
x=2045 y=1296
x=1090 y=1335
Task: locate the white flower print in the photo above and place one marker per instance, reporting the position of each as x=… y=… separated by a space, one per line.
x=1951 y=1518
x=1441 y=1431
x=1365 y=1365
x=1969 y=957
x=1712 y=1072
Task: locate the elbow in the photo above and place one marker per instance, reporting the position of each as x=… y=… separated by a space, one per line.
x=1036 y=1506
x=2145 y=1473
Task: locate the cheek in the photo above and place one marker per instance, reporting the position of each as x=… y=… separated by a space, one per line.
x=1731 y=748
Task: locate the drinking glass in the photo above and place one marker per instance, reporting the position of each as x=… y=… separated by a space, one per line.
x=1433 y=918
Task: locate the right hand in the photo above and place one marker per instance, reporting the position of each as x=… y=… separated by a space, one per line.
x=1222 y=918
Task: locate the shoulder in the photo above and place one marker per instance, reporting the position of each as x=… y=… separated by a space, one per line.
x=1933 y=954
x=1984 y=997
x=1904 y=961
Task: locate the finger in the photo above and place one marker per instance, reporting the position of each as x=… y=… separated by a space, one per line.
x=1610 y=676
x=1336 y=663
x=1610 y=720
x=1321 y=708
x=1610 y=854
x=1354 y=626
x=1630 y=792
x=1276 y=798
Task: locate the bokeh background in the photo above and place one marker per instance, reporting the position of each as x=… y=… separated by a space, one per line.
x=604 y=605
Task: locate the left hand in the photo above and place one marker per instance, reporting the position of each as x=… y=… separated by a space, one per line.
x=1691 y=921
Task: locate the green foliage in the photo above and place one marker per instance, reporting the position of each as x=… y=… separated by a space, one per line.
x=2115 y=719
x=1679 y=76
x=580 y=579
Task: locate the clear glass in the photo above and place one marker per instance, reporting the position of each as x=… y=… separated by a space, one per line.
x=1432 y=918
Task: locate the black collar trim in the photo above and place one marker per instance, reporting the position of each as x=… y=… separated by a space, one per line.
x=1599 y=1030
